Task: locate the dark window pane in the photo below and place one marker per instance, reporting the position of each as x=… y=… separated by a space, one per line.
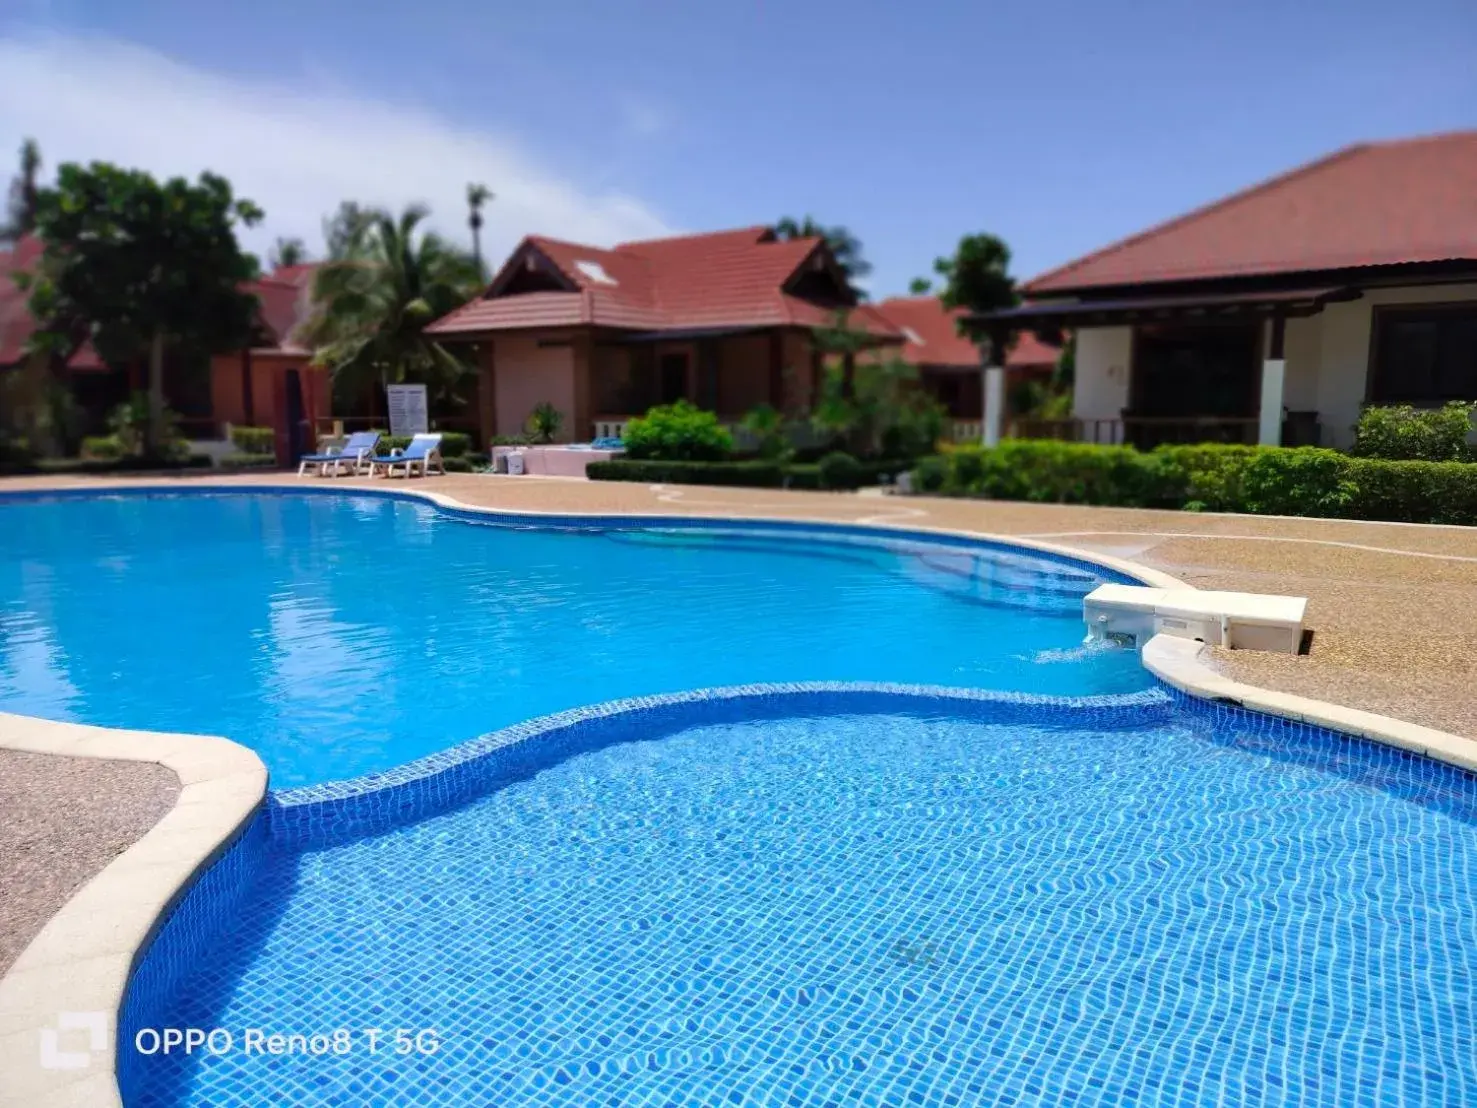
x=1407 y=359
x=1456 y=367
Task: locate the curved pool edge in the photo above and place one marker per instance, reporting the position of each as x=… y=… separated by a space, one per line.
x=1183 y=665
x=82 y=961
x=316 y=816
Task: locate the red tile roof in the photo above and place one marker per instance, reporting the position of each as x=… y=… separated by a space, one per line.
x=1382 y=203
x=933 y=337
x=286 y=296
x=719 y=280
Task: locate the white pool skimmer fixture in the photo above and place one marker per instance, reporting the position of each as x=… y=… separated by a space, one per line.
x=1132 y=614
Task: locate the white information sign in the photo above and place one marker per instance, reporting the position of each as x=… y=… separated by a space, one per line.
x=407 y=404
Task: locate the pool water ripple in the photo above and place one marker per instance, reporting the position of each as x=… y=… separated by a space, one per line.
x=880 y=909
x=343 y=635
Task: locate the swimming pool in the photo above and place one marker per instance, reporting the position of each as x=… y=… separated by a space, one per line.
x=339 y=635
x=1084 y=890
x=867 y=897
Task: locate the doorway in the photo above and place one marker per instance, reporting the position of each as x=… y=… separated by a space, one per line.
x=672 y=378
x=293 y=409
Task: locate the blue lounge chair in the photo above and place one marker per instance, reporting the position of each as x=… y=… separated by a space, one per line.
x=424 y=451
x=354 y=453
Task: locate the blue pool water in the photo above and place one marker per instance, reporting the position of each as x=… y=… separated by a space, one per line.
x=1024 y=903
x=340 y=635
x=888 y=909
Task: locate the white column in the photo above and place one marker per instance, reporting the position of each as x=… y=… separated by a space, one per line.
x=1274 y=372
x=1270 y=431
x=994 y=421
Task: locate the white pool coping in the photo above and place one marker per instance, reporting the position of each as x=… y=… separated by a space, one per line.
x=77 y=967
x=81 y=961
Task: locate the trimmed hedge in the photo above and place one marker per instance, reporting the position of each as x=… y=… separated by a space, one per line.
x=254 y=440
x=755 y=474
x=759 y=475
x=454 y=444
x=1302 y=481
x=130 y=464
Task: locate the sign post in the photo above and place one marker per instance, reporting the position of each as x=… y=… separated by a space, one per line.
x=407 y=405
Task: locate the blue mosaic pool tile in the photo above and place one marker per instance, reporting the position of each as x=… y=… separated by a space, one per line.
x=1211 y=907
x=320 y=815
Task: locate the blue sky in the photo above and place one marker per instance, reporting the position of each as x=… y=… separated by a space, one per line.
x=1059 y=124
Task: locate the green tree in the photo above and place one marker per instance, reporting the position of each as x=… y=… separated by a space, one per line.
x=477 y=195
x=344 y=226
x=140 y=267
x=920 y=286
x=287 y=252
x=846 y=247
x=375 y=298
x=977 y=277
x=20 y=215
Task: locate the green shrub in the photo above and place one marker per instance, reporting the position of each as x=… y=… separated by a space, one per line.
x=678 y=432
x=457 y=464
x=1403 y=433
x=1210 y=475
x=254 y=440
x=744 y=474
x=1304 y=481
x=543 y=422
x=250 y=459
x=930 y=474
x=839 y=470
x=102 y=448
x=455 y=444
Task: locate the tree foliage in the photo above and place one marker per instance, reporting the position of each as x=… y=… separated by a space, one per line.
x=20 y=215
x=977 y=277
x=845 y=246
x=287 y=251
x=344 y=226
x=138 y=266
x=920 y=286
x=376 y=294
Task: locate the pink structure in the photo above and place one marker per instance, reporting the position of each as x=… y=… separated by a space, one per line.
x=554 y=461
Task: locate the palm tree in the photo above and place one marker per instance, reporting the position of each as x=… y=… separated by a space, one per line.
x=376 y=299
x=287 y=252
x=846 y=247
x=477 y=195
x=21 y=215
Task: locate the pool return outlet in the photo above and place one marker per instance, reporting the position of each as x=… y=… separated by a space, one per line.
x=1130 y=615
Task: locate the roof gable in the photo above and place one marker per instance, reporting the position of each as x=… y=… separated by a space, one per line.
x=1383 y=203
x=932 y=337
x=741 y=278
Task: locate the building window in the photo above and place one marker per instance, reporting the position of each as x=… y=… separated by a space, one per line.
x=1425 y=355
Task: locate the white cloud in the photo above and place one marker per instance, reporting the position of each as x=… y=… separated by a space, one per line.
x=295 y=152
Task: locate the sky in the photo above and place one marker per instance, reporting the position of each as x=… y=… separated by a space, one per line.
x=1059 y=125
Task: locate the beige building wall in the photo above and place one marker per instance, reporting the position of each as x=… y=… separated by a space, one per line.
x=527 y=375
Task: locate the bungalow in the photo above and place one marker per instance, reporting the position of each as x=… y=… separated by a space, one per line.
x=726 y=320
x=269 y=384
x=949 y=364
x=1274 y=315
